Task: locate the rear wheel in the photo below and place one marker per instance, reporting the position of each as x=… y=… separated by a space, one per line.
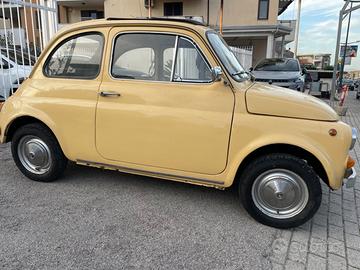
x=280 y=190
x=37 y=153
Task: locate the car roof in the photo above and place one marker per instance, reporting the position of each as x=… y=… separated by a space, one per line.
x=168 y=19
x=155 y=21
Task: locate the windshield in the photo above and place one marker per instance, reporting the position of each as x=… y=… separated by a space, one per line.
x=19 y=57
x=227 y=57
x=278 y=65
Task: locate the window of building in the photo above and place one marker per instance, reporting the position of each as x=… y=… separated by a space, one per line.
x=151 y=57
x=173 y=9
x=78 y=57
x=91 y=15
x=263 y=13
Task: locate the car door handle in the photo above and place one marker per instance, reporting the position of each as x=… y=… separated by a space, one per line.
x=109 y=94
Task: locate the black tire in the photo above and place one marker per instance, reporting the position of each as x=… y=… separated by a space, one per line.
x=57 y=159
x=357 y=96
x=285 y=162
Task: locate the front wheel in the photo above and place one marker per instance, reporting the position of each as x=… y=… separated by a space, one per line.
x=280 y=190
x=37 y=153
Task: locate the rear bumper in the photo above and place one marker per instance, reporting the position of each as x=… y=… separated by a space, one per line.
x=350 y=178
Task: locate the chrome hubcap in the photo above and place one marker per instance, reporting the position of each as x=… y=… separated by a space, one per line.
x=280 y=193
x=34 y=154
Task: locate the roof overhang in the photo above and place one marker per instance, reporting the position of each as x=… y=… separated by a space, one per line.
x=81 y=3
x=277 y=30
x=283 y=5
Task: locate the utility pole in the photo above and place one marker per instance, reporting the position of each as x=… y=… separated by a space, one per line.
x=221 y=16
x=208 y=13
x=345 y=50
x=297 y=29
x=149 y=10
x=344 y=12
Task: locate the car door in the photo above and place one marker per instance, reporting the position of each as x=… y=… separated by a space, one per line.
x=159 y=107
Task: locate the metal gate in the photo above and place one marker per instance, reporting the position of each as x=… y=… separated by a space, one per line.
x=244 y=55
x=26 y=26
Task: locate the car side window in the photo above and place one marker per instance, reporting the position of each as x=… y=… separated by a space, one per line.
x=78 y=57
x=190 y=64
x=148 y=56
x=140 y=56
x=5 y=64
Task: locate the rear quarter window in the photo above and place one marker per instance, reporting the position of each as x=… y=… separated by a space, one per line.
x=78 y=57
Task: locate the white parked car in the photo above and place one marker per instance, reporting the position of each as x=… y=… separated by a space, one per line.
x=13 y=70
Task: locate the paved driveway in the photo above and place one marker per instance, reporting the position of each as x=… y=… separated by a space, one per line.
x=94 y=219
x=331 y=240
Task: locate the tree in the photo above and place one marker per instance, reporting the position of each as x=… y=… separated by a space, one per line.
x=329 y=68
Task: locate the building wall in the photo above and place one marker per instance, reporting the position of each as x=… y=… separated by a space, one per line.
x=320 y=61
x=236 y=12
x=73 y=14
x=354 y=74
x=31 y=25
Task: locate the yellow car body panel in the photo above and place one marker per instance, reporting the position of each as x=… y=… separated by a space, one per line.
x=265 y=100
x=192 y=133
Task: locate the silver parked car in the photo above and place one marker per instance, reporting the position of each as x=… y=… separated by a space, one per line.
x=284 y=72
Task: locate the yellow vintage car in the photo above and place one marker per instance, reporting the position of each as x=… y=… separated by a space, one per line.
x=168 y=99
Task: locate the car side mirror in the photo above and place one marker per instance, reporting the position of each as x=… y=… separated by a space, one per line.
x=216 y=73
x=304 y=71
x=251 y=69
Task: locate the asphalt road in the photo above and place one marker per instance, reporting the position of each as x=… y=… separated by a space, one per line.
x=95 y=219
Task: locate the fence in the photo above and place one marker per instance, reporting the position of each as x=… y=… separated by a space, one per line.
x=244 y=55
x=25 y=28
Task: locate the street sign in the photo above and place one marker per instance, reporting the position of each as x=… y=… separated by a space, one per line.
x=347 y=61
x=351 y=51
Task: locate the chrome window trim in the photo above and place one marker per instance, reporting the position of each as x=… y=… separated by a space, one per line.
x=224 y=68
x=187 y=82
x=61 y=42
x=202 y=56
x=174 y=59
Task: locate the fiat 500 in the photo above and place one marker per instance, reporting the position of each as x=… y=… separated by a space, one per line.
x=168 y=99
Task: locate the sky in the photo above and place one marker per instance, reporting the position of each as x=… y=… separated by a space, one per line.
x=318 y=27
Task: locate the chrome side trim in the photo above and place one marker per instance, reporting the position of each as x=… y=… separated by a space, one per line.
x=353 y=137
x=174 y=59
x=156 y=174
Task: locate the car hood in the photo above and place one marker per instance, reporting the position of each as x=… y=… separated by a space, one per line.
x=276 y=75
x=268 y=99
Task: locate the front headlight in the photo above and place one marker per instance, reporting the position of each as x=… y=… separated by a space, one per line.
x=353 y=137
x=299 y=80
